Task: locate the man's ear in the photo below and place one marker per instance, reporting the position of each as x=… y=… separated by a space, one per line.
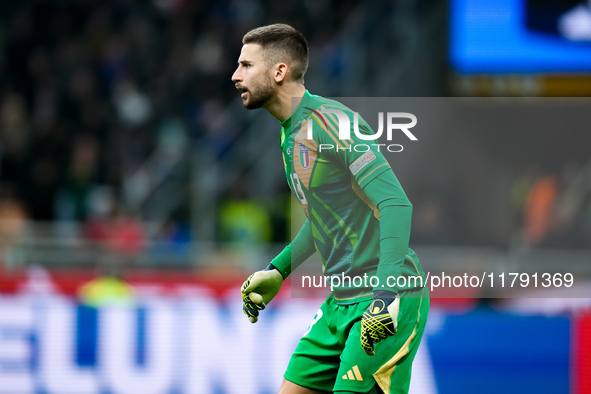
x=280 y=72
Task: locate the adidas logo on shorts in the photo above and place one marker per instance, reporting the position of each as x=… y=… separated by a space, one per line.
x=353 y=374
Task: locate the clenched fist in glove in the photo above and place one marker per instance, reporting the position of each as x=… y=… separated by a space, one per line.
x=259 y=289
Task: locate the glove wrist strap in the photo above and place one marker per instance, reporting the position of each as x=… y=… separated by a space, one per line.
x=271 y=267
x=282 y=262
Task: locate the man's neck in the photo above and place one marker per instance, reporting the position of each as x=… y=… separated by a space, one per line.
x=281 y=106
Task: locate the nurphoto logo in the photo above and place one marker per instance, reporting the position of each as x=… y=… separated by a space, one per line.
x=345 y=129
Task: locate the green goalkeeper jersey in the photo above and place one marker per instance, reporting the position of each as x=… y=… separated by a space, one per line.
x=328 y=177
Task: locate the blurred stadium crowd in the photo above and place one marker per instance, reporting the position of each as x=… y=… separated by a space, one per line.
x=111 y=112
x=90 y=90
x=100 y=100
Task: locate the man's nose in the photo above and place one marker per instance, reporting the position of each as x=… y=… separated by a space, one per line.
x=236 y=77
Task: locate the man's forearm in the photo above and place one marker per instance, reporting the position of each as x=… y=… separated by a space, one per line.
x=394 y=237
x=296 y=252
x=395 y=220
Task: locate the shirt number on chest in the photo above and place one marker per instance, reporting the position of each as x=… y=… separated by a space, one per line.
x=297 y=188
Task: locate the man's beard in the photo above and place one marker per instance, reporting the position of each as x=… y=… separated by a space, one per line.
x=258 y=98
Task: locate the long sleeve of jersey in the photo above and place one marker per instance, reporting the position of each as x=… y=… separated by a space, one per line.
x=294 y=254
x=395 y=218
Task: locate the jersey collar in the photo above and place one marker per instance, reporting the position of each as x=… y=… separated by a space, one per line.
x=286 y=124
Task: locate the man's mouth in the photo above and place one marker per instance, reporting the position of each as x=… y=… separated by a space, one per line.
x=244 y=91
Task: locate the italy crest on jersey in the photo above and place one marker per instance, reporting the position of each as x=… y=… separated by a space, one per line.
x=304 y=156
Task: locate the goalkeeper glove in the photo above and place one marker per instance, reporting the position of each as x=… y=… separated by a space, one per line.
x=259 y=289
x=380 y=320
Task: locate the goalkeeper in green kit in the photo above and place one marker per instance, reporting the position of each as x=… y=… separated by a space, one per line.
x=363 y=339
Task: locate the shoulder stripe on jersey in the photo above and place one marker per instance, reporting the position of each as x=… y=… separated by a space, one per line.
x=318 y=114
x=372 y=171
x=331 y=126
x=344 y=109
x=332 y=131
x=357 y=189
x=312 y=118
x=333 y=123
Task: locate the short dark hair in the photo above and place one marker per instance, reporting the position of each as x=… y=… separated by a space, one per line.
x=283 y=40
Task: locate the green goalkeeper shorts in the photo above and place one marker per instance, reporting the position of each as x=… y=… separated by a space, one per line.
x=329 y=357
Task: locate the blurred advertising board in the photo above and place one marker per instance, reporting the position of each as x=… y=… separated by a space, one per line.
x=200 y=342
